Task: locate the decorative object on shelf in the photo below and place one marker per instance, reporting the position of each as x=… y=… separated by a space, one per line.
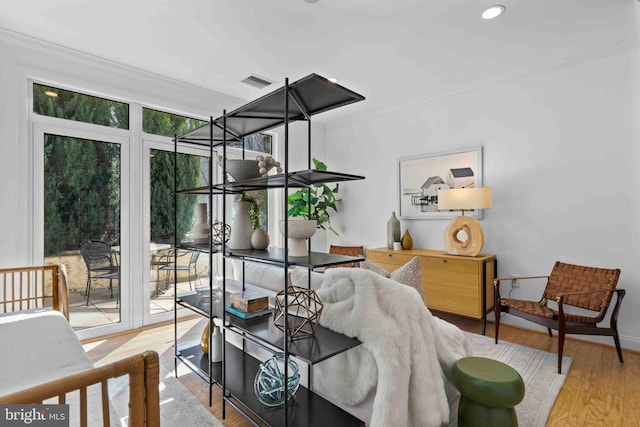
x=397 y=246
x=299 y=231
x=323 y=198
x=249 y=300
x=305 y=308
x=200 y=230
x=259 y=238
x=216 y=341
x=407 y=240
x=221 y=232
x=421 y=177
x=266 y=163
x=245 y=315
x=393 y=230
x=240 y=226
x=269 y=382
x=240 y=169
x=464 y=235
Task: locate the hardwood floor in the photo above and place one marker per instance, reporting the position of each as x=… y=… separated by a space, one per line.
x=599 y=391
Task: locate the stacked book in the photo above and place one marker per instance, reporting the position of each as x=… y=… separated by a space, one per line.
x=248 y=304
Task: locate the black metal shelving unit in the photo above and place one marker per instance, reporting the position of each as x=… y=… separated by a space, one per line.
x=235 y=375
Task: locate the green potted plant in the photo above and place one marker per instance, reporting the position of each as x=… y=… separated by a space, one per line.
x=323 y=198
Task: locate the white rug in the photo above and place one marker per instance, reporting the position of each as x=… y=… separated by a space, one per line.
x=538 y=370
x=178 y=406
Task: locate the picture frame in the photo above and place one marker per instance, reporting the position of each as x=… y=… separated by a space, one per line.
x=421 y=177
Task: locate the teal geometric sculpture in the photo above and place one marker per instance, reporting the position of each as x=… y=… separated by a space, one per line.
x=269 y=382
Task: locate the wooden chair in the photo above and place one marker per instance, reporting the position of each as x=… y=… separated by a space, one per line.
x=349 y=251
x=587 y=288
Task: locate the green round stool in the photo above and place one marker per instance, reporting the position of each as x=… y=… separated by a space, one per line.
x=489 y=392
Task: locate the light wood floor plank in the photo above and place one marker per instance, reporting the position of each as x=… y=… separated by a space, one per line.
x=599 y=391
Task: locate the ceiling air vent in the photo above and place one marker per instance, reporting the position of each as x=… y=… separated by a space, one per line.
x=257 y=81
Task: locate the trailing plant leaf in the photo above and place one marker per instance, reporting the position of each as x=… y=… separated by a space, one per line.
x=254 y=210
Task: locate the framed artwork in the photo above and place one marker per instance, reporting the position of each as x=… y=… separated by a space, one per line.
x=421 y=177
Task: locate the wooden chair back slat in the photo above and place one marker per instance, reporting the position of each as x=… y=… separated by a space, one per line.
x=144 y=399
x=25 y=288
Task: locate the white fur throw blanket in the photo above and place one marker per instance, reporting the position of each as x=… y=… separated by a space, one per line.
x=406 y=353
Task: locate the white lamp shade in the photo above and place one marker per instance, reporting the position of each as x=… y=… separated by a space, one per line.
x=464 y=198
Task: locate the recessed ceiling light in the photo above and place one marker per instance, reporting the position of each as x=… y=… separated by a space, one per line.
x=50 y=93
x=311 y=1
x=493 y=11
x=333 y=79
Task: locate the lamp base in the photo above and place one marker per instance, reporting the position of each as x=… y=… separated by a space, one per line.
x=475 y=236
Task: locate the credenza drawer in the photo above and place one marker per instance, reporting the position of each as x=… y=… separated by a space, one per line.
x=393 y=258
x=462 y=266
x=454 y=284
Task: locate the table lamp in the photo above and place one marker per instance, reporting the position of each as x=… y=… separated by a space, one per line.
x=464 y=199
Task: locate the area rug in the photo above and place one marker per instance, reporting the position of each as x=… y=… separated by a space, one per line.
x=178 y=406
x=538 y=370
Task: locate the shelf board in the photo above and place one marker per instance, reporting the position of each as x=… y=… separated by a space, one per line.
x=305 y=408
x=321 y=346
x=309 y=96
x=298 y=179
x=200 y=247
x=201 y=304
x=215 y=190
x=193 y=358
x=276 y=256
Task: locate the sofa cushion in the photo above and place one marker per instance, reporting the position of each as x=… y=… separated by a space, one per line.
x=409 y=274
x=271 y=277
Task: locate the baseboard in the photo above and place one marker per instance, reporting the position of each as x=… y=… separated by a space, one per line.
x=626 y=342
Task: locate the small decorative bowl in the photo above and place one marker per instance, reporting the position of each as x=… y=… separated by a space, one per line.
x=241 y=169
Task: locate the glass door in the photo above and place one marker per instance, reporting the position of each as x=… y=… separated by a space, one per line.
x=79 y=197
x=192 y=264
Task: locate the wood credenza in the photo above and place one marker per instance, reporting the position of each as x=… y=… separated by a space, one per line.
x=454 y=284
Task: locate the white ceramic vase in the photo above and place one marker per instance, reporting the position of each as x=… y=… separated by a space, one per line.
x=299 y=231
x=240 y=226
x=260 y=238
x=200 y=230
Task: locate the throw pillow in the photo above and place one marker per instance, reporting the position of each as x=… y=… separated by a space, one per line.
x=409 y=274
x=366 y=264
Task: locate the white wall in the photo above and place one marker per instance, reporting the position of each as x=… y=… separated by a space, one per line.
x=561 y=152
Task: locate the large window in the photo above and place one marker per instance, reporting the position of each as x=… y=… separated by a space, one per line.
x=89 y=174
x=260 y=142
x=55 y=102
x=82 y=224
x=167 y=124
x=82 y=193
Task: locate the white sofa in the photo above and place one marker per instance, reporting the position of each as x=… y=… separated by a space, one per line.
x=269 y=279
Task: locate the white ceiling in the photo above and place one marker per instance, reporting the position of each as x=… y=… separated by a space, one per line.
x=394 y=52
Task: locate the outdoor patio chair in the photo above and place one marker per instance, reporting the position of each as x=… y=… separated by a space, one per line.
x=101 y=263
x=172 y=266
x=588 y=288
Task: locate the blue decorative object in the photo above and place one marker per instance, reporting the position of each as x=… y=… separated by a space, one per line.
x=269 y=382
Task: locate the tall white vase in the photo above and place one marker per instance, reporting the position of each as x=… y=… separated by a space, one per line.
x=200 y=230
x=241 y=226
